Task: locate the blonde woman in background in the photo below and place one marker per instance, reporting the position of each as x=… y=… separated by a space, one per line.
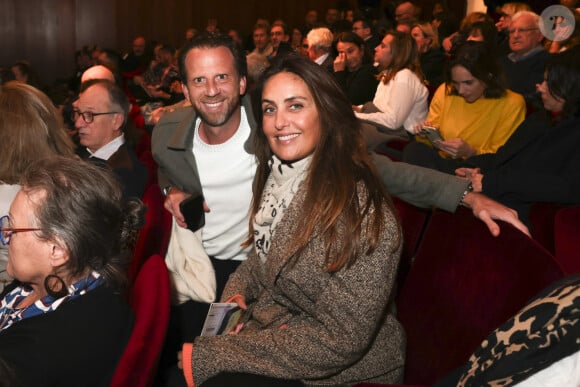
x=431 y=56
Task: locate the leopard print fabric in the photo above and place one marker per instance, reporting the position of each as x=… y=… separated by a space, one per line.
x=546 y=330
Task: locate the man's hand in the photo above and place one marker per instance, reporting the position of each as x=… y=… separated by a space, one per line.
x=472 y=174
x=172 y=200
x=487 y=210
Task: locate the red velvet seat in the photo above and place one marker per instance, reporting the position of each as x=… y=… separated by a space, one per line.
x=567 y=239
x=147 y=159
x=154 y=235
x=413 y=221
x=542 y=218
x=150 y=300
x=463 y=284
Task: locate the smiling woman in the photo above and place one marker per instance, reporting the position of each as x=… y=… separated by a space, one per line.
x=317 y=284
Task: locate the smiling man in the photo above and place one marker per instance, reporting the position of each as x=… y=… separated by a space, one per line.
x=206 y=150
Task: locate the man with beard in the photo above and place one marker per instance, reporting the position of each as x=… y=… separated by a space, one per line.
x=208 y=150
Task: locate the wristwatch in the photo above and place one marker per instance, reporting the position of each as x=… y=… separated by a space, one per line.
x=166 y=190
x=468 y=189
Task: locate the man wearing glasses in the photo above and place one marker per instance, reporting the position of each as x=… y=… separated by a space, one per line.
x=524 y=66
x=100 y=114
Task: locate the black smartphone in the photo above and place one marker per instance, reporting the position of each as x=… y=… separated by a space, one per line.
x=193 y=212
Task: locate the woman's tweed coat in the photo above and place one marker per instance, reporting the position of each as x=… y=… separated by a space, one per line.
x=323 y=328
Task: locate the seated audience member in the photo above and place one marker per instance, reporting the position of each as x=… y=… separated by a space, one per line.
x=330 y=301
x=400 y=101
x=540 y=162
x=261 y=38
x=100 y=116
x=279 y=39
x=320 y=47
x=364 y=29
x=536 y=347
x=136 y=62
x=24 y=73
x=503 y=24
x=30 y=129
x=64 y=320
x=162 y=82
x=406 y=11
x=524 y=66
x=473 y=112
x=451 y=42
x=431 y=57
x=483 y=31
x=296 y=39
x=353 y=69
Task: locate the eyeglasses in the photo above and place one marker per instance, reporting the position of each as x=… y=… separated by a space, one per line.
x=88 y=117
x=6 y=231
x=512 y=31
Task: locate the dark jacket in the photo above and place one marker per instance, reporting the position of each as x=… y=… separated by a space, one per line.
x=539 y=163
x=129 y=171
x=78 y=344
x=360 y=86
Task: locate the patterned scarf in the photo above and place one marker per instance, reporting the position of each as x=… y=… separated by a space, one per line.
x=281 y=186
x=10 y=313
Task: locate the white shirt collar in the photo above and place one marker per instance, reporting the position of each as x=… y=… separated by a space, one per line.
x=320 y=60
x=108 y=150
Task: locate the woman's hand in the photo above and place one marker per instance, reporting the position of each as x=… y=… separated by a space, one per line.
x=472 y=174
x=356 y=108
x=180 y=360
x=340 y=62
x=241 y=301
x=456 y=148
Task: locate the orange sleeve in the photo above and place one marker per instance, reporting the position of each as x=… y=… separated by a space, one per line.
x=186 y=358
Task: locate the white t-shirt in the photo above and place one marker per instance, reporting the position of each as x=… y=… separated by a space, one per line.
x=226 y=172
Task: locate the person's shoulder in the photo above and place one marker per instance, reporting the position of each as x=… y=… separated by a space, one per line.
x=175 y=115
x=514 y=97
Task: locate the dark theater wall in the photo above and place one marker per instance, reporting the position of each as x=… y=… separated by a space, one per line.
x=48 y=32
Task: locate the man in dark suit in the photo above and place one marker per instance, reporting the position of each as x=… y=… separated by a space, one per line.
x=100 y=114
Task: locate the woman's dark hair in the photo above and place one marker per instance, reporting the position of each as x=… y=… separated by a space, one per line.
x=212 y=40
x=489 y=32
x=563 y=79
x=476 y=58
x=82 y=211
x=339 y=162
x=351 y=37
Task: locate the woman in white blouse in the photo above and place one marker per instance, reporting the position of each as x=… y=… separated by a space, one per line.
x=400 y=101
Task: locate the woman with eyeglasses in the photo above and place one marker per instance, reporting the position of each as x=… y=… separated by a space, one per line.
x=64 y=320
x=30 y=129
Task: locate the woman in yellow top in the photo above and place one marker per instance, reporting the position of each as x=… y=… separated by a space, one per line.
x=473 y=112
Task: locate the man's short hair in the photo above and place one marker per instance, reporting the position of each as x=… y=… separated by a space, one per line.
x=320 y=38
x=212 y=40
